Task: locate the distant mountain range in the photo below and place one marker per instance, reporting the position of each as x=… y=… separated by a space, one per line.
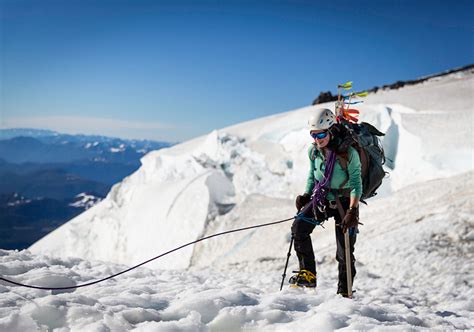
x=47 y=178
x=44 y=146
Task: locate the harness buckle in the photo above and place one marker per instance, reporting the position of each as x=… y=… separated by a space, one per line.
x=332 y=204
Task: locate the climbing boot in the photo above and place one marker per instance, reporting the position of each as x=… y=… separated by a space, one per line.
x=303 y=278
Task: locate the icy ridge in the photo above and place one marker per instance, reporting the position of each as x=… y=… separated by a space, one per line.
x=207 y=184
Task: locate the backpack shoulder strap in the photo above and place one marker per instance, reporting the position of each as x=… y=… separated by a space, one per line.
x=343 y=158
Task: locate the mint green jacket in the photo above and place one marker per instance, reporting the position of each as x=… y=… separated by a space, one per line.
x=339 y=175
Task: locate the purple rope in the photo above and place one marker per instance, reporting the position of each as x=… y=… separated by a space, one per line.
x=321 y=190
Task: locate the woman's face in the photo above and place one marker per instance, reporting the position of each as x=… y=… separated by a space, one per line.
x=321 y=137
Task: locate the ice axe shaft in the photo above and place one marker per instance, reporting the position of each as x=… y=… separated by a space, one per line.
x=348 y=264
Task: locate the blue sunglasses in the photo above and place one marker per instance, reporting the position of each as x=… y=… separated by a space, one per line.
x=320 y=135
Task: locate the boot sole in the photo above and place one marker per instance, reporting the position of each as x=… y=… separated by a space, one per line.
x=298 y=286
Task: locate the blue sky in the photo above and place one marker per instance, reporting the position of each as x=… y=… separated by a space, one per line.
x=173 y=70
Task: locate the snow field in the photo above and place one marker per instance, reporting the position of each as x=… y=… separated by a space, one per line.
x=414 y=272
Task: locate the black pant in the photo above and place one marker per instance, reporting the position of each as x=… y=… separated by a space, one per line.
x=301 y=231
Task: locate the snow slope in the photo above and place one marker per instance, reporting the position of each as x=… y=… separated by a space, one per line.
x=415 y=271
x=209 y=183
x=414 y=252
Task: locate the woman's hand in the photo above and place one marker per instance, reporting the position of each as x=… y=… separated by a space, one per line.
x=351 y=219
x=302 y=200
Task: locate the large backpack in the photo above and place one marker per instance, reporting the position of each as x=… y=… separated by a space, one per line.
x=364 y=138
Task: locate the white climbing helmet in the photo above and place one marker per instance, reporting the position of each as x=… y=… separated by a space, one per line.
x=321 y=119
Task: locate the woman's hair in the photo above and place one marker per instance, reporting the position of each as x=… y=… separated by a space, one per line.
x=338 y=133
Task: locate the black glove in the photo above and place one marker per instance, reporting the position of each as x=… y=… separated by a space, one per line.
x=302 y=200
x=351 y=219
